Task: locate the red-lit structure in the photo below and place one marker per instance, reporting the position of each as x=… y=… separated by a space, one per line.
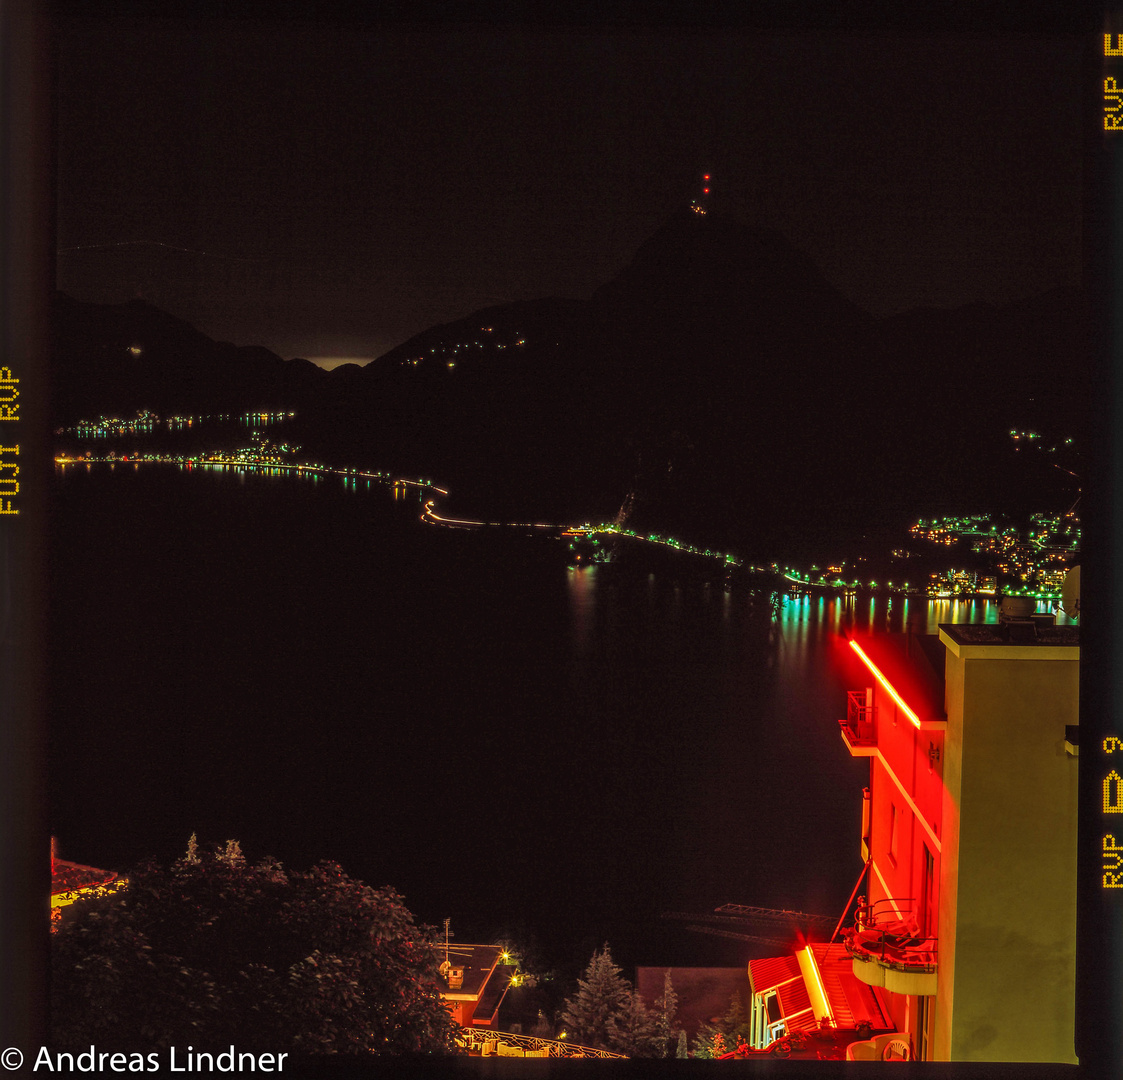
x=812 y=992
x=965 y=933
x=898 y=721
x=967 y=926
x=885 y=961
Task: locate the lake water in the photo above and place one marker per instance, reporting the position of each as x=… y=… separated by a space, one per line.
x=508 y=742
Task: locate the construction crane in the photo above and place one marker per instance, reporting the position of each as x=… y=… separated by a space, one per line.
x=751 y=914
x=734 y=920
x=717 y=931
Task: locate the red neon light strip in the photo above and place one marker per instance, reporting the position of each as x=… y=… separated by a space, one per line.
x=885 y=682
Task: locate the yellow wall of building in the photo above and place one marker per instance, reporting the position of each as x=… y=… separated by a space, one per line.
x=949 y=862
x=1007 y=948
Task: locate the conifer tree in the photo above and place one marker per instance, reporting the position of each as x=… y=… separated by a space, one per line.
x=634 y=1031
x=681 y=1051
x=601 y=995
x=666 y=1006
x=709 y=1042
x=735 y=1025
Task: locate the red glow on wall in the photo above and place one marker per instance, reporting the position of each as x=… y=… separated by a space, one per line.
x=876 y=672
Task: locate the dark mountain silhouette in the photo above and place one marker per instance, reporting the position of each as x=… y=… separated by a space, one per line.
x=719 y=388
x=728 y=343
x=113 y=359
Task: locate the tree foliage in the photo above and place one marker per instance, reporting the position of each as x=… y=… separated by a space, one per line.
x=634 y=1031
x=602 y=994
x=212 y=951
x=606 y=1012
x=731 y=1031
x=736 y=1024
x=666 y=1008
x=532 y=999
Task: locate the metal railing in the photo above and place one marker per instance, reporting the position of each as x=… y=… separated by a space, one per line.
x=861 y=719
x=475 y=1040
x=891 y=937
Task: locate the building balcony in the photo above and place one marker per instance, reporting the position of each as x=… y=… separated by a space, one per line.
x=888 y=950
x=859 y=729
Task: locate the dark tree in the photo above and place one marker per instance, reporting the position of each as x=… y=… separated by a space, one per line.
x=713 y=1040
x=666 y=1009
x=212 y=951
x=736 y=1025
x=602 y=995
x=634 y=1031
x=608 y=1013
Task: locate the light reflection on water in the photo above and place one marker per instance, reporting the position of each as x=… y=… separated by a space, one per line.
x=807 y=623
x=804 y=621
x=885 y=613
x=581 y=582
x=659 y=748
x=771 y=813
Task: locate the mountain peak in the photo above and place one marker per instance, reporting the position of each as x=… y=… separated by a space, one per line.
x=714 y=270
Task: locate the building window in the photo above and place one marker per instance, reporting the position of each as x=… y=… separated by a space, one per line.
x=928 y=911
x=893 y=833
x=768 y=1023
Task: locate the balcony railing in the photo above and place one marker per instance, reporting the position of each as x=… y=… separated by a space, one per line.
x=902 y=958
x=859 y=729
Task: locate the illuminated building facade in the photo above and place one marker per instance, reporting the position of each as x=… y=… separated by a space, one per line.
x=812 y=990
x=968 y=927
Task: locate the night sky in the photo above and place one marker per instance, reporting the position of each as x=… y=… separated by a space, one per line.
x=330 y=191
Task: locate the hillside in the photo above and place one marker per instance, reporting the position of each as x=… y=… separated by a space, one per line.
x=719 y=387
